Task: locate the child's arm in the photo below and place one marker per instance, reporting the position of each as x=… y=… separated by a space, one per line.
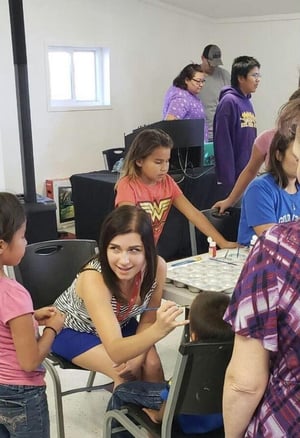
x=41 y=315
x=201 y=222
x=30 y=349
x=246 y=176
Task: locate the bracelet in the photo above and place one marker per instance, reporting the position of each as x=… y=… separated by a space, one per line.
x=50 y=328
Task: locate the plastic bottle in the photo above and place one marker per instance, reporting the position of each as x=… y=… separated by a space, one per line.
x=253 y=241
x=212 y=249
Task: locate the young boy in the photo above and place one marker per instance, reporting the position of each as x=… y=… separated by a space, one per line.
x=206 y=325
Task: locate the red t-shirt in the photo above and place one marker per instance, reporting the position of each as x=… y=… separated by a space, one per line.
x=156 y=199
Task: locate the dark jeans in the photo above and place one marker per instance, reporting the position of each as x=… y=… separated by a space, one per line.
x=24 y=412
x=151 y=395
x=145 y=394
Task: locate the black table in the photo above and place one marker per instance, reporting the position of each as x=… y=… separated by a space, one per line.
x=93 y=196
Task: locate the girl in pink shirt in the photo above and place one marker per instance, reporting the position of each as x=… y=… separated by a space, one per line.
x=23 y=402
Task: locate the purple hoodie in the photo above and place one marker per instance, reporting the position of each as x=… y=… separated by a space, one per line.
x=234 y=134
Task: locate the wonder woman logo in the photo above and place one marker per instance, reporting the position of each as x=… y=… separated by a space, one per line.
x=156 y=210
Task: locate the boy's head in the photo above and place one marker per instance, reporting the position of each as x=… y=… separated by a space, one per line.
x=206 y=318
x=242 y=68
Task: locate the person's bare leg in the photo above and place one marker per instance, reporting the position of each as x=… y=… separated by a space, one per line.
x=97 y=359
x=152 y=370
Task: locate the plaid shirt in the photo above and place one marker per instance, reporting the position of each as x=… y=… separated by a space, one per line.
x=266 y=306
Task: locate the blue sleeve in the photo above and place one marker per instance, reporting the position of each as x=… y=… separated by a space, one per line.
x=259 y=204
x=259 y=207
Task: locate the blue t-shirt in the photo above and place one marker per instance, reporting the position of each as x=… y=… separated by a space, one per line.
x=264 y=202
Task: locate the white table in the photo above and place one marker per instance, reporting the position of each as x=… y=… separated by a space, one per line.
x=202 y=272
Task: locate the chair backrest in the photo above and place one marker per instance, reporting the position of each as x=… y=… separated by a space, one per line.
x=49 y=267
x=111 y=156
x=227 y=224
x=197 y=383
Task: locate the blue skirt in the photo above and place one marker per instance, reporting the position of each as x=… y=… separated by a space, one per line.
x=70 y=343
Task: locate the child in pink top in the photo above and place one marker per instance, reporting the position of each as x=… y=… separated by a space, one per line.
x=145 y=182
x=23 y=402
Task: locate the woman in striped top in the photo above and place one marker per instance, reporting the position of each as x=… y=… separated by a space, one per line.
x=101 y=330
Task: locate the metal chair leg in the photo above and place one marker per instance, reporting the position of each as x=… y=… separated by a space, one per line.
x=91 y=378
x=193 y=238
x=57 y=397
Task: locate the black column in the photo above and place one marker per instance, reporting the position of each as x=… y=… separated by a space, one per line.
x=22 y=90
x=40 y=211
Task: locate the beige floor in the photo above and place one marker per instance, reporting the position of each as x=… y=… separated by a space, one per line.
x=83 y=412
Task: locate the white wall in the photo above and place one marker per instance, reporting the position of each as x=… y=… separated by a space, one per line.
x=275 y=43
x=149 y=46
x=2 y=180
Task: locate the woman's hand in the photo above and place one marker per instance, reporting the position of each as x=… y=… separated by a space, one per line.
x=131 y=370
x=166 y=317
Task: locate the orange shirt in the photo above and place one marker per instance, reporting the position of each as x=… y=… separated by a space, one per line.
x=155 y=199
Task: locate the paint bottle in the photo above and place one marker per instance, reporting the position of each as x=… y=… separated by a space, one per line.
x=253 y=241
x=212 y=250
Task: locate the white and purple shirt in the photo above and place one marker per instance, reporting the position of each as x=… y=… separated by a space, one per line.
x=184 y=105
x=265 y=305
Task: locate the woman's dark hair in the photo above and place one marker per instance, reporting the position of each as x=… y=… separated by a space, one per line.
x=241 y=66
x=295 y=95
x=123 y=220
x=289 y=117
x=188 y=72
x=142 y=146
x=206 y=317
x=12 y=216
x=278 y=148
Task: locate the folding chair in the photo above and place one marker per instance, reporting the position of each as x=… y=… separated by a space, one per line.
x=46 y=270
x=226 y=223
x=196 y=389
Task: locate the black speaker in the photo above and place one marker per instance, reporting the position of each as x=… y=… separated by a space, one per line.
x=41 y=219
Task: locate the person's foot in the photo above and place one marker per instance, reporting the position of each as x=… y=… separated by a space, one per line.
x=153 y=415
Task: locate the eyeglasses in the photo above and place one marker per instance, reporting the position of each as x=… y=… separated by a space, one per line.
x=199 y=81
x=255 y=75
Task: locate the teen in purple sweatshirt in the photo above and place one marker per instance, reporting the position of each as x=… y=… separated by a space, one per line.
x=235 y=122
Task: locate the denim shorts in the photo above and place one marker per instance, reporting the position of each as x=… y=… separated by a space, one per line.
x=23 y=412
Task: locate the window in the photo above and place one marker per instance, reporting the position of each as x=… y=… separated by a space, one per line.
x=78 y=78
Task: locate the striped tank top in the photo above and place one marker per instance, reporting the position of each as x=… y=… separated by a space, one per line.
x=77 y=317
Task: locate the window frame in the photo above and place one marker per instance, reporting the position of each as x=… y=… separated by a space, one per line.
x=102 y=80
